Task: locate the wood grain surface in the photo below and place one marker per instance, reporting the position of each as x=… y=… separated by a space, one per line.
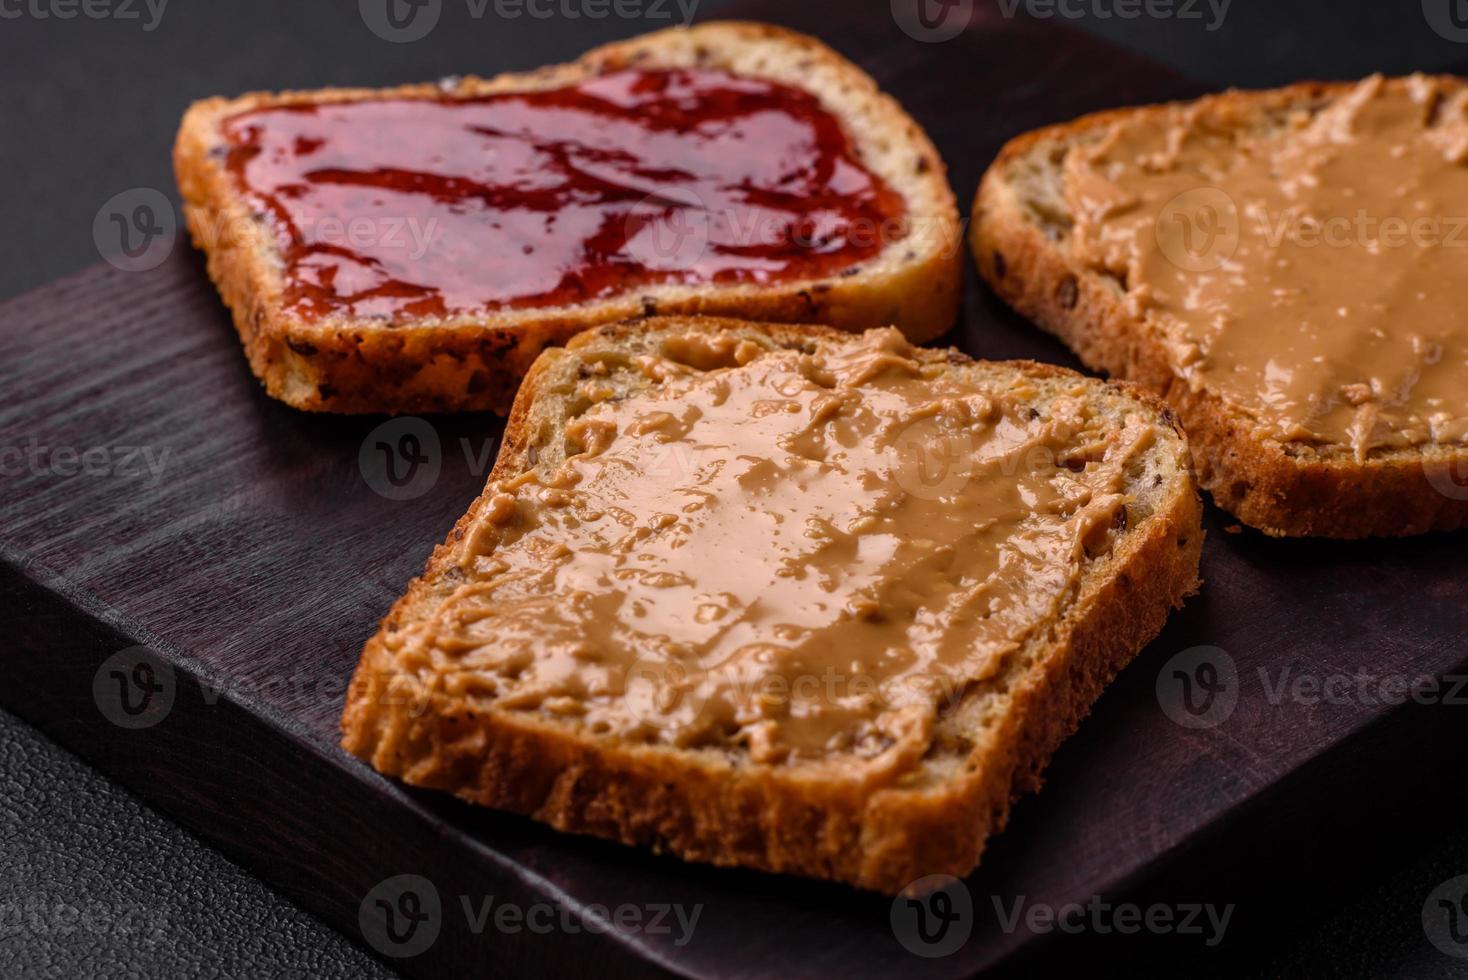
x=153 y=495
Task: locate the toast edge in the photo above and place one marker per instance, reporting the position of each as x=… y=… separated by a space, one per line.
x=1259 y=482
x=768 y=820
x=476 y=363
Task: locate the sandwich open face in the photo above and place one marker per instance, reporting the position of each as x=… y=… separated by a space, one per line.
x=413 y=249
x=1285 y=268
x=783 y=597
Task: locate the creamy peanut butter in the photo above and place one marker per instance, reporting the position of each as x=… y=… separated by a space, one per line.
x=1311 y=272
x=788 y=553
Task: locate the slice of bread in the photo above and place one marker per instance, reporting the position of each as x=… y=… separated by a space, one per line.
x=1023 y=242
x=464 y=689
x=473 y=361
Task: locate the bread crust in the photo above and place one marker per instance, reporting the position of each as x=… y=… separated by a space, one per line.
x=470 y=363
x=1284 y=490
x=704 y=807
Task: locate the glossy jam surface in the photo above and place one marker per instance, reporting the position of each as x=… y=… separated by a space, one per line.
x=438 y=207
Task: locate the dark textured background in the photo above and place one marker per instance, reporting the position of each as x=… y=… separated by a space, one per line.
x=89 y=110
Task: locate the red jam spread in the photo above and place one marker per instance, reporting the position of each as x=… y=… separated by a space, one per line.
x=437 y=207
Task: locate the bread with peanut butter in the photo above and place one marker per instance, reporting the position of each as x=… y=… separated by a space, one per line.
x=413 y=249
x=783 y=597
x=1285 y=268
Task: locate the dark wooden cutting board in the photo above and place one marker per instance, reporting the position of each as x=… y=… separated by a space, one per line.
x=259 y=557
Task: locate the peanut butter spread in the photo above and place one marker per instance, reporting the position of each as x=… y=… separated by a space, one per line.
x=787 y=553
x=1307 y=266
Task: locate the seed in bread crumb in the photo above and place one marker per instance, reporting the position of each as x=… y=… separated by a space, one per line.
x=1066 y=293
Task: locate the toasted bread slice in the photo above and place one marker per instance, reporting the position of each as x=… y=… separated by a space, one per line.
x=493 y=681
x=337 y=362
x=1024 y=239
